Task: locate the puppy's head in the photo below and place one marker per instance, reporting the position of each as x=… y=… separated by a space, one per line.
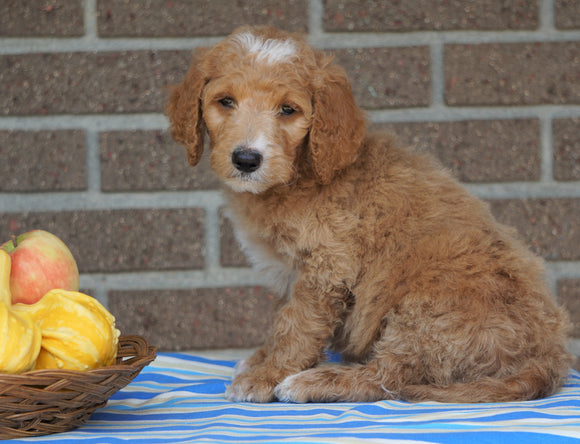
x=264 y=96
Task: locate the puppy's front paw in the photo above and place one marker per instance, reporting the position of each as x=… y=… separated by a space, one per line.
x=290 y=390
x=251 y=387
x=321 y=384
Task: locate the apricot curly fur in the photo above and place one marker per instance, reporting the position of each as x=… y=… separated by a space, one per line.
x=377 y=251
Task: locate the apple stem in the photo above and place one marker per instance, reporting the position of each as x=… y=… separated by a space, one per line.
x=14 y=241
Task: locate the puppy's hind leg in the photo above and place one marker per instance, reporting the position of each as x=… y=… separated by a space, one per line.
x=336 y=383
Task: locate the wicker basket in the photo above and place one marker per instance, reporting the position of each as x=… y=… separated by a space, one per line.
x=42 y=402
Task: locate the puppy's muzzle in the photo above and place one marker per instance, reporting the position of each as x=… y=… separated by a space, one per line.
x=246 y=160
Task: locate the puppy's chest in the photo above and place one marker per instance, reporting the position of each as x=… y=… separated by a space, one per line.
x=273 y=256
x=267 y=242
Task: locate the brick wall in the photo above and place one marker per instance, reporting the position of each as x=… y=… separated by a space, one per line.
x=492 y=88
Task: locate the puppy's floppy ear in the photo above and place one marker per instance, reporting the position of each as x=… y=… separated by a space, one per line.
x=184 y=109
x=338 y=124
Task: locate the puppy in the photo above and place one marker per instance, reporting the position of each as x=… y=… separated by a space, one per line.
x=378 y=253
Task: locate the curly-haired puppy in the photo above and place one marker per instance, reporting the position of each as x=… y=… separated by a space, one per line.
x=378 y=252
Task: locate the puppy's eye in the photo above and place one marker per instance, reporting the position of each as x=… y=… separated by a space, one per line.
x=287 y=110
x=227 y=102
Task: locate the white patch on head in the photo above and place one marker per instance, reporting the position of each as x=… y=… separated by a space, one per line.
x=270 y=51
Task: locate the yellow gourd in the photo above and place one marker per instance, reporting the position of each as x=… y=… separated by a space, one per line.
x=78 y=333
x=63 y=330
x=20 y=338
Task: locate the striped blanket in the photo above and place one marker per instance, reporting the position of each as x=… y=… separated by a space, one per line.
x=179 y=398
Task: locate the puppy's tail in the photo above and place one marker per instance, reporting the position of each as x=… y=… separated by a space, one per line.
x=532 y=382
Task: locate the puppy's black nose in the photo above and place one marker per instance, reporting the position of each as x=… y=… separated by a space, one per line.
x=246 y=160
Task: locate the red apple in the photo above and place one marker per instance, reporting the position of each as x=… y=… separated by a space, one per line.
x=40 y=262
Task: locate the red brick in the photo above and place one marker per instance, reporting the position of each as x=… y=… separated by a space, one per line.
x=195 y=319
x=149 y=161
x=478 y=150
x=388 y=77
x=549 y=226
x=567 y=14
x=566 y=149
x=569 y=296
x=428 y=15
x=121 y=240
x=43 y=161
x=181 y=18
x=34 y=18
x=512 y=74
x=108 y=82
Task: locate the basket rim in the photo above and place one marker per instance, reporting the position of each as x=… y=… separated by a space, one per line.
x=144 y=355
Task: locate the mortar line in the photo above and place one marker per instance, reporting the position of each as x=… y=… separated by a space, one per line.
x=437 y=75
x=88 y=201
x=171 y=279
x=546 y=150
x=96 y=122
x=445 y=113
x=212 y=236
x=546 y=16
x=323 y=40
x=525 y=190
x=99 y=292
x=339 y=40
x=158 y=121
x=315 y=21
x=563 y=269
x=90 y=21
x=93 y=161
x=89 y=44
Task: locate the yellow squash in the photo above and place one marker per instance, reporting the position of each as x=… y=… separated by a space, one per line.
x=20 y=338
x=78 y=333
